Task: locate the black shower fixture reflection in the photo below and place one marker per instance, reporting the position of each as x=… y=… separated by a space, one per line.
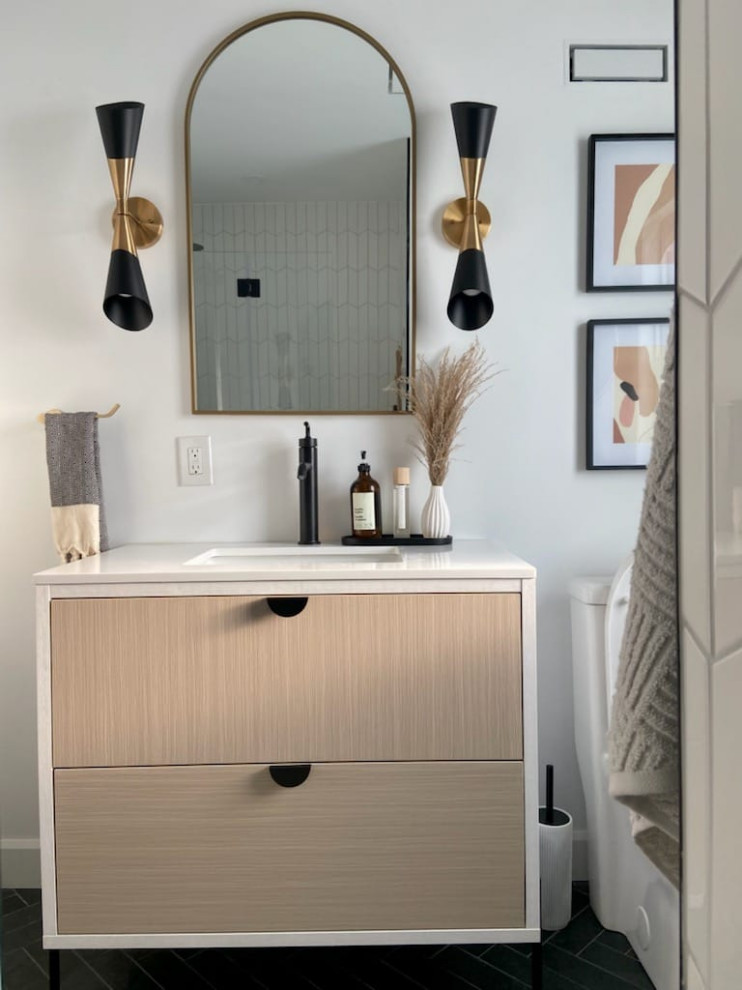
x=137 y=223
x=466 y=221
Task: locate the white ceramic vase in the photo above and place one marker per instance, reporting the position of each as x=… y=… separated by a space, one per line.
x=435 y=519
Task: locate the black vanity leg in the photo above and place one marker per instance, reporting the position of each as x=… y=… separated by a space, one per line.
x=54 y=980
x=536 y=967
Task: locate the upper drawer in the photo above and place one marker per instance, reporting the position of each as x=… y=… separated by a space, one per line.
x=139 y=681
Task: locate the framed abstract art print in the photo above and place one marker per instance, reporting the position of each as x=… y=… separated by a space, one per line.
x=631 y=212
x=625 y=359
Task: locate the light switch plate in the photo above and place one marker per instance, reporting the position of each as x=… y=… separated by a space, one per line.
x=194 y=461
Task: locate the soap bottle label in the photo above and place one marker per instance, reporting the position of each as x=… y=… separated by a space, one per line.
x=364 y=515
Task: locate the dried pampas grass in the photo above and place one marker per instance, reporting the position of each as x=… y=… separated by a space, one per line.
x=439 y=399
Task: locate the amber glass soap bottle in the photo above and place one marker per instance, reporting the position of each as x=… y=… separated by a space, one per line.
x=365 y=503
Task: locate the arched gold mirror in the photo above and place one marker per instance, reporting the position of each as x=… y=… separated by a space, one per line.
x=300 y=162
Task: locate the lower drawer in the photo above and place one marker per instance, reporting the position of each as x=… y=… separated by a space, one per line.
x=355 y=847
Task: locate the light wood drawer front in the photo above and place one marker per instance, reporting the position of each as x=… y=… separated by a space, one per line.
x=355 y=847
x=224 y=680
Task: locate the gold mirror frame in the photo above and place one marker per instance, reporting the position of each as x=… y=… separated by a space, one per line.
x=245 y=29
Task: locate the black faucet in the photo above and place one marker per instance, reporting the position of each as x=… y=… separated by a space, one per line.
x=307 y=475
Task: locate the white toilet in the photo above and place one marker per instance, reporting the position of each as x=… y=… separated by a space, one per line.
x=627 y=893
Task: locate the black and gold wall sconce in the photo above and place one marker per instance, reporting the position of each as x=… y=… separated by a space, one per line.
x=466 y=221
x=137 y=223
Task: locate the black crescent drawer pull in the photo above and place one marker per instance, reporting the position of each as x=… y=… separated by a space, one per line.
x=287 y=607
x=290 y=775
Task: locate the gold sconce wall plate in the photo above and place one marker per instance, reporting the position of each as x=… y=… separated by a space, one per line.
x=147 y=221
x=453 y=221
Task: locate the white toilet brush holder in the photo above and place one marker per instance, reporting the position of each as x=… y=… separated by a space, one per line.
x=555 y=848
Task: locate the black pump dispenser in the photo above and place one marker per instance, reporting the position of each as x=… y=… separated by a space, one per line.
x=307 y=475
x=307 y=440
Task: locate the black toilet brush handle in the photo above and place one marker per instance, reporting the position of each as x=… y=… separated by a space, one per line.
x=549 y=794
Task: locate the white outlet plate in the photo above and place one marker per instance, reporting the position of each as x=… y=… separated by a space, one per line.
x=194 y=461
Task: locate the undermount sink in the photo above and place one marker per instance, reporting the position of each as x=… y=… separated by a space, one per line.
x=293 y=557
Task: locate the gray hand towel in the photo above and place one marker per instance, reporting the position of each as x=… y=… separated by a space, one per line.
x=73 y=459
x=644 y=741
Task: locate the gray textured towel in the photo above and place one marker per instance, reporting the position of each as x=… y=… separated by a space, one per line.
x=73 y=459
x=644 y=742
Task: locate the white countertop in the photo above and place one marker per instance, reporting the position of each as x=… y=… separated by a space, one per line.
x=243 y=562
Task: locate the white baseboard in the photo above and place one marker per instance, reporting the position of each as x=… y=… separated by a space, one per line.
x=579 y=855
x=20 y=863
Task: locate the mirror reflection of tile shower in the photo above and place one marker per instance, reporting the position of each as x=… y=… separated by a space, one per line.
x=331 y=311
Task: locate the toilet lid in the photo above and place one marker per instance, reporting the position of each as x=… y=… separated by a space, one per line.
x=617 y=608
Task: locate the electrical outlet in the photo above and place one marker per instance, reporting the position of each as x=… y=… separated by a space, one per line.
x=194 y=461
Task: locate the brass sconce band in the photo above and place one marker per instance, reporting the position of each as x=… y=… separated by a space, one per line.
x=470 y=235
x=454 y=228
x=123 y=234
x=121 y=171
x=137 y=223
x=471 y=170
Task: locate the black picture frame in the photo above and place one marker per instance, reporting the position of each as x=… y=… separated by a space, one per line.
x=607 y=153
x=603 y=335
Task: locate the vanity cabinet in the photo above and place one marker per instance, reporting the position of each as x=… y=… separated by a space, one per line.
x=168 y=708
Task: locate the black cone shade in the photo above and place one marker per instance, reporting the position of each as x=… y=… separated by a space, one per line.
x=120 y=124
x=470 y=305
x=473 y=123
x=126 y=302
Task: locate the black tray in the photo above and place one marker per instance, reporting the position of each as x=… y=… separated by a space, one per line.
x=415 y=540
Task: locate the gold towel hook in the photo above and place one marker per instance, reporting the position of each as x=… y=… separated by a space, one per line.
x=56 y=412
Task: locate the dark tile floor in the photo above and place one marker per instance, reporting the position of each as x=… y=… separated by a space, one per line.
x=581 y=957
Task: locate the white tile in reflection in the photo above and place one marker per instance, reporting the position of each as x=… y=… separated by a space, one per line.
x=304 y=254
x=362 y=216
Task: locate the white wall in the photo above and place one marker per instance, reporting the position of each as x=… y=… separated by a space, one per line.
x=710 y=476
x=519 y=478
